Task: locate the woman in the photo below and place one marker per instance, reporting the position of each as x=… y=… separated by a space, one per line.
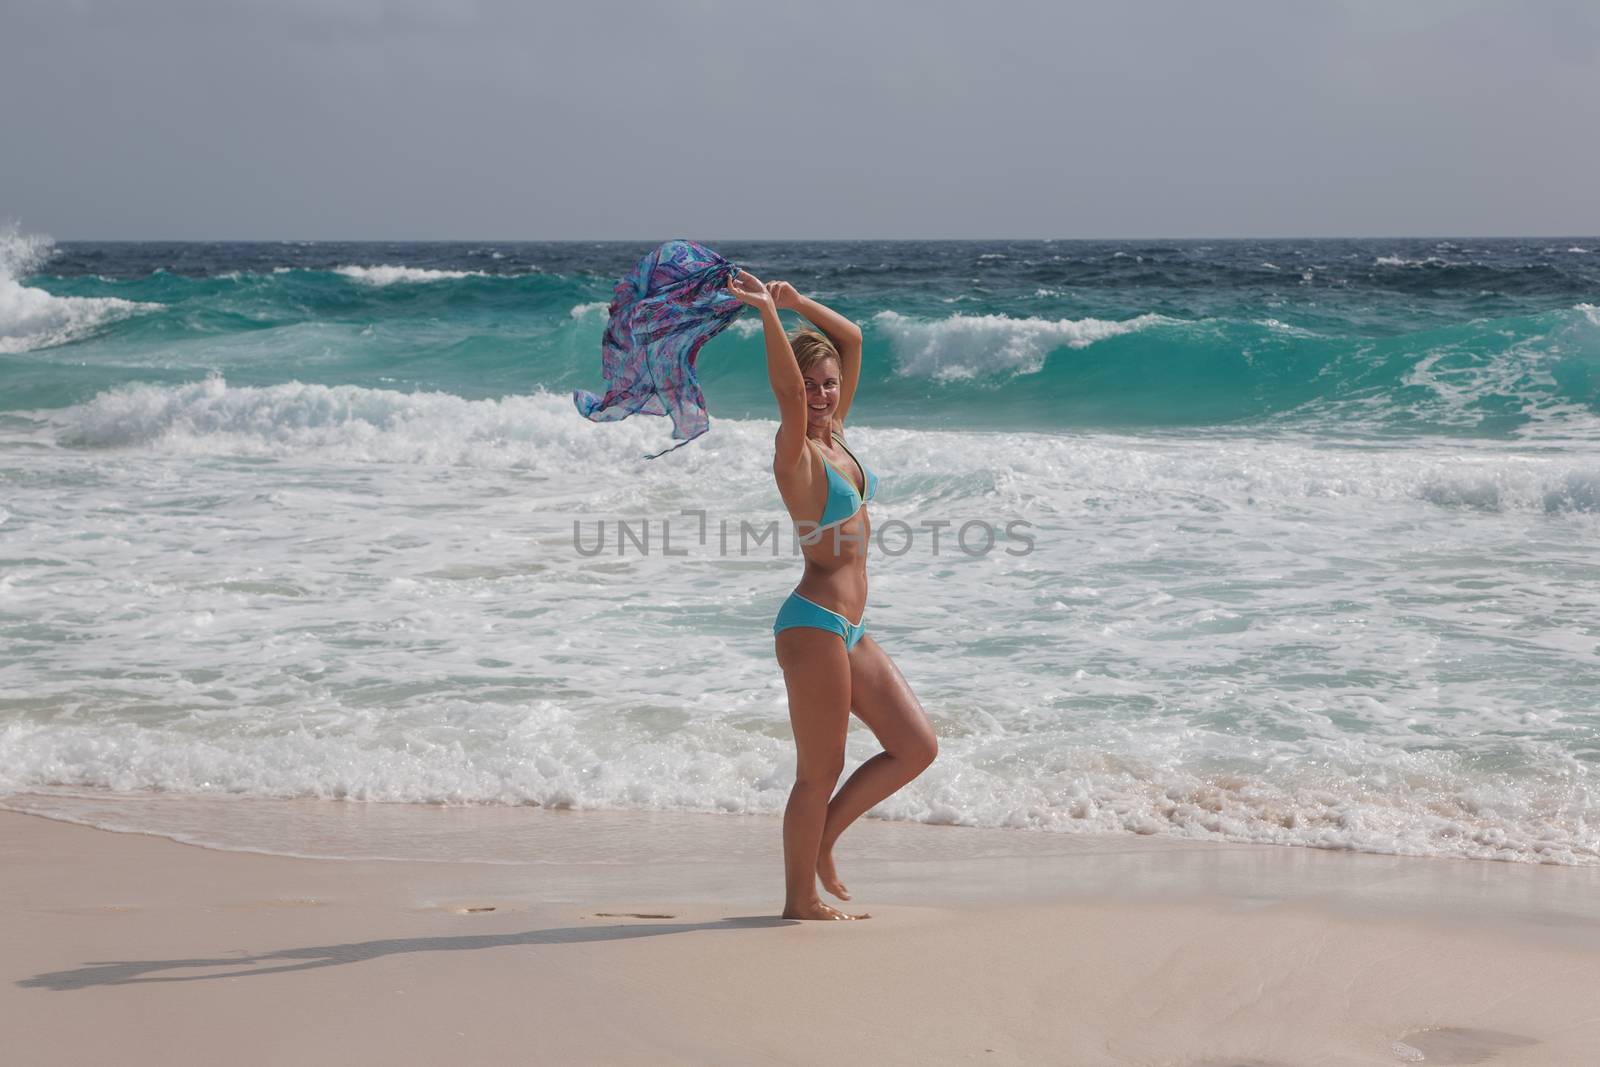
x=830 y=665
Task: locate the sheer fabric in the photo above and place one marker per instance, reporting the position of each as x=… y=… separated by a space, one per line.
x=662 y=312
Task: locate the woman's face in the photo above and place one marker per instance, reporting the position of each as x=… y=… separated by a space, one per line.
x=822 y=391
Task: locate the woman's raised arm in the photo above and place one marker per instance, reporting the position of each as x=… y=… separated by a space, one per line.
x=782 y=370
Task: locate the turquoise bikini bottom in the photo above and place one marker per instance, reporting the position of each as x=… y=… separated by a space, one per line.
x=798 y=611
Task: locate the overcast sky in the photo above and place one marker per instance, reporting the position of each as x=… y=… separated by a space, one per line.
x=558 y=119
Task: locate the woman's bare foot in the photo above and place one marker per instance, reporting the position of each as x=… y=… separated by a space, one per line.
x=818 y=910
x=829 y=876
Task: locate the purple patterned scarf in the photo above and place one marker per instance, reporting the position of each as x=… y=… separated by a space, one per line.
x=662 y=311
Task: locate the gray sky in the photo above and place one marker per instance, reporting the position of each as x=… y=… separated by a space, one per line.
x=488 y=119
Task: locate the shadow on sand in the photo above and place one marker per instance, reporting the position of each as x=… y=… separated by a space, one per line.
x=129 y=972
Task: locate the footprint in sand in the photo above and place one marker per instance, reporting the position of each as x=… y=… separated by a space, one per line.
x=1456 y=1046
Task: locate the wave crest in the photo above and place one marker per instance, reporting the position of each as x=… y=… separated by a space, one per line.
x=32 y=318
x=599 y=309
x=966 y=346
x=344 y=423
x=386 y=274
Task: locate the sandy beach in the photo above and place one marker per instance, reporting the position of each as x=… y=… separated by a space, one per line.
x=984 y=947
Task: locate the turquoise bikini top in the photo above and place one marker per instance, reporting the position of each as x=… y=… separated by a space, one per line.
x=844 y=499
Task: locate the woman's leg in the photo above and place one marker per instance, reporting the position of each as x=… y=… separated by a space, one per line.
x=817 y=673
x=883 y=700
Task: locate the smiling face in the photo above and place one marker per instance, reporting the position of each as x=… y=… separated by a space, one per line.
x=819 y=366
x=822 y=392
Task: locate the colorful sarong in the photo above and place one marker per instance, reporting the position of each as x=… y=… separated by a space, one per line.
x=662 y=311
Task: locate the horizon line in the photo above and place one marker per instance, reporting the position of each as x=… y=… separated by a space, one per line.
x=811 y=240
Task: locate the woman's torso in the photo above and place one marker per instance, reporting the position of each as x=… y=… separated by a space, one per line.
x=831 y=522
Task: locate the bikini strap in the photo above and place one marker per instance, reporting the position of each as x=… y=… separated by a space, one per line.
x=851 y=453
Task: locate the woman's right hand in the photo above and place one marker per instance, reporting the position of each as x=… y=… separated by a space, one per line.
x=749 y=289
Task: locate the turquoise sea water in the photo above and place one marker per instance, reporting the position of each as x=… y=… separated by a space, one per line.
x=1311 y=534
x=1376 y=337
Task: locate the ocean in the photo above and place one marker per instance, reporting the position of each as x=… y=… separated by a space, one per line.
x=1273 y=541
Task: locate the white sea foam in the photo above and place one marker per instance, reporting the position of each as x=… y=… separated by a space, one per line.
x=1401 y=261
x=553 y=755
x=1286 y=329
x=598 y=309
x=384 y=274
x=966 y=346
x=346 y=423
x=1463 y=388
x=343 y=592
x=359 y=425
x=32 y=318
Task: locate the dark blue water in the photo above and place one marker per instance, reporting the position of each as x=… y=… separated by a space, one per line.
x=1478 y=337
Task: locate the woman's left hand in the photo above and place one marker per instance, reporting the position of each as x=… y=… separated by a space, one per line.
x=784 y=295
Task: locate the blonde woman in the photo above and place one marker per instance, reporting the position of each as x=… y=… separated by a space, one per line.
x=831 y=666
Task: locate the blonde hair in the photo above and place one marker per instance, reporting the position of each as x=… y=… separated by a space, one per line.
x=811 y=348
